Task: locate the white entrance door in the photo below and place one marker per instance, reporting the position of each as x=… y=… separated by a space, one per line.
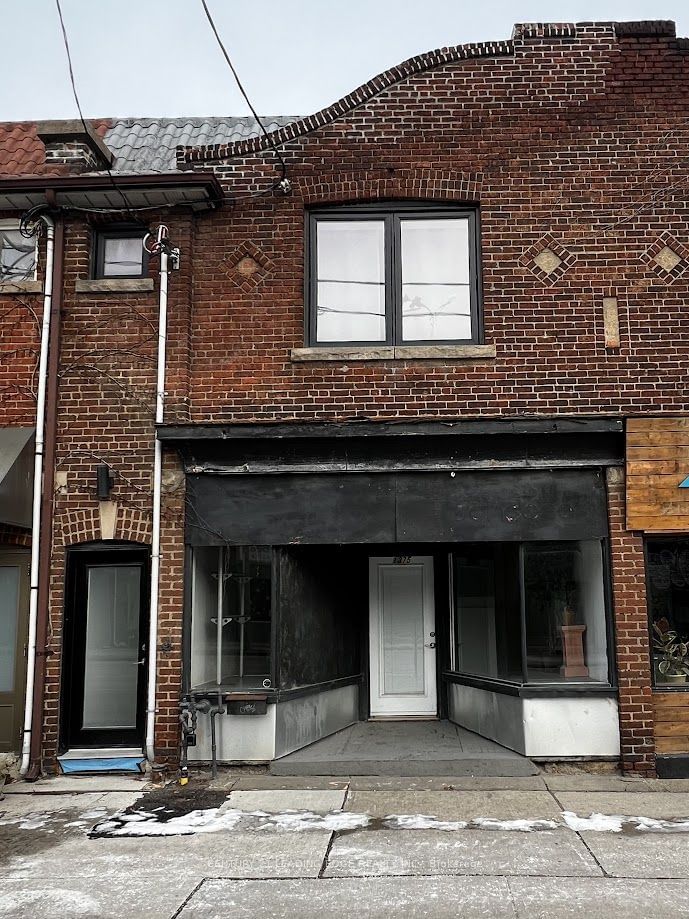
x=402 y=636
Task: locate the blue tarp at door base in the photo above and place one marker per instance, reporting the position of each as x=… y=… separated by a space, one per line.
x=111 y=764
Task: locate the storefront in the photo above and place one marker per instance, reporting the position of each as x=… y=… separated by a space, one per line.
x=339 y=573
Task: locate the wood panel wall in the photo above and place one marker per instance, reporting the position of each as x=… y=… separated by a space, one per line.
x=657 y=461
x=671 y=714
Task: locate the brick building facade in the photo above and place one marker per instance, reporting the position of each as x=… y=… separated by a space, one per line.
x=484 y=443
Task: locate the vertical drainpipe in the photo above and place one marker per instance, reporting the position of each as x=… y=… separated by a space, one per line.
x=155 y=533
x=47 y=504
x=36 y=517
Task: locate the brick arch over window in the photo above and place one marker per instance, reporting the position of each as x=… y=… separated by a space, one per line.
x=409 y=184
x=84 y=525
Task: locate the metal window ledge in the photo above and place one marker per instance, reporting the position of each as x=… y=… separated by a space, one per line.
x=114 y=285
x=386 y=353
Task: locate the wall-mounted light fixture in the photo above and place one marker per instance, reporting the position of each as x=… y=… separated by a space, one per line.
x=105 y=481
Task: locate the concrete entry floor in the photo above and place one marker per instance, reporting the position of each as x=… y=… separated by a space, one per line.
x=411 y=748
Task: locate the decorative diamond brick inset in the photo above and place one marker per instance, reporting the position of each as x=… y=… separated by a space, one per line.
x=247 y=266
x=547 y=259
x=667 y=257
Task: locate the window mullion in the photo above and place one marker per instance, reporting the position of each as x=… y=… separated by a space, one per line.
x=394 y=283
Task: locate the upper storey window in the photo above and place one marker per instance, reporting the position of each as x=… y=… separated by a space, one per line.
x=394 y=275
x=119 y=253
x=17 y=254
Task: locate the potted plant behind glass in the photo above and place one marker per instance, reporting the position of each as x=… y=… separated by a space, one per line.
x=673 y=653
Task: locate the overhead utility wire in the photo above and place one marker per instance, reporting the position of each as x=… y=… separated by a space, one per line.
x=81 y=114
x=284 y=183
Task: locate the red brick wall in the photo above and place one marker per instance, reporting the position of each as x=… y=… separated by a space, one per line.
x=105 y=415
x=631 y=634
x=578 y=139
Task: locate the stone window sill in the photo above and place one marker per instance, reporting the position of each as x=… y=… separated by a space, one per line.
x=387 y=353
x=114 y=285
x=21 y=287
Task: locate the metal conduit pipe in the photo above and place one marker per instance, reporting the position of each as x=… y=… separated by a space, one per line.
x=38 y=491
x=159 y=245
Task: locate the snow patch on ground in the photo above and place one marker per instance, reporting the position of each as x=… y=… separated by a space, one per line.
x=615 y=823
x=520 y=826
x=422 y=822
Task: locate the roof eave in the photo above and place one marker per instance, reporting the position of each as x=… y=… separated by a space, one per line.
x=184 y=189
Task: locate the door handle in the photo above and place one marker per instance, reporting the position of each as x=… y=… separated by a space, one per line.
x=431 y=645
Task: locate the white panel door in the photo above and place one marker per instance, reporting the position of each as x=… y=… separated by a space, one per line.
x=402 y=636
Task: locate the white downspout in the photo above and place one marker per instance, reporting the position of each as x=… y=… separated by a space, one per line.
x=155 y=534
x=38 y=491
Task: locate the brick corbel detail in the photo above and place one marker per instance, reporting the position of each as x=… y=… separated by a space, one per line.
x=632 y=637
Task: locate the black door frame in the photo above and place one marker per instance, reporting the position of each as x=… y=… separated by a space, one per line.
x=79 y=560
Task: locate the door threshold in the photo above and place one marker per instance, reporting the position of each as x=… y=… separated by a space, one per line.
x=403 y=718
x=101 y=753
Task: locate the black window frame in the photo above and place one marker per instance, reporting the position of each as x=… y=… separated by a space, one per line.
x=391 y=214
x=120 y=231
x=524 y=685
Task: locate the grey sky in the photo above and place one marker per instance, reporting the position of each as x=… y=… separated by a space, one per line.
x=158 y=57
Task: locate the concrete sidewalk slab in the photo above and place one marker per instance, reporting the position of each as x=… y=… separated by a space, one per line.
x=597 y=898
x=94 y=898
x=446 y=783
x=275 y=801
x=556 y=853
x=457 y=805
x=638 y=804
x=641 y=855
x=374 y=898
x=23 y=805
x=280 y=782
x=83 y=784
x=231 y=855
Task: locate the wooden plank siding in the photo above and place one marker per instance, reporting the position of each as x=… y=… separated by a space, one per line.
x=671 y=715
x=657 y=458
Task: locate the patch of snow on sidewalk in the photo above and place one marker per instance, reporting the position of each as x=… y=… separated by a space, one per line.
x=422 y=822
x=615 y=823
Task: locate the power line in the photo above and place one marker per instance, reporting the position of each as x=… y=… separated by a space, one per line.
x=81 y=114
x=284 y=183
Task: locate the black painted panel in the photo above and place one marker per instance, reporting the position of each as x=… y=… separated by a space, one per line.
x=489 y=506
x=263 y=510
x=396 y=507
x=323 y=595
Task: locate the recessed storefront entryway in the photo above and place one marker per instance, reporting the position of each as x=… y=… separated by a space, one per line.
x=404 y=748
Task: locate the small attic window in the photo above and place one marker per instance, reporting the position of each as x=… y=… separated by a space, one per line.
x=119 y=253
x=17 y=254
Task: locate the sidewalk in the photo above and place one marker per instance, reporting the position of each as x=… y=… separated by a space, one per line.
x=255 y=845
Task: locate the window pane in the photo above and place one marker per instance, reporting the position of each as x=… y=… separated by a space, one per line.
x=486 y=605
x=436 y=295
x=350 y=275
x=112 y=647
x=565 y=612
x=17 y=256
x=9 y=611
x=236 y=650
x=668 y=597
x=122 y=256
